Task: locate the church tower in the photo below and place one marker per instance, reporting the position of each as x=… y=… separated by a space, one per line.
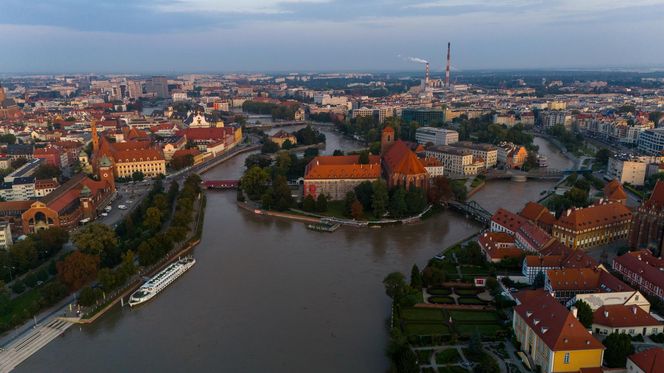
x=106 y=172
x=2 y=94
x=386 y=140
x=95 y=137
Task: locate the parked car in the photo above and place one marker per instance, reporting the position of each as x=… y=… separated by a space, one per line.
x=122 y=207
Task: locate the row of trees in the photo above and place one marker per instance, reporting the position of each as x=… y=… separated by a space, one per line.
x=277 y=111
x=31 y=252
x=572 y=141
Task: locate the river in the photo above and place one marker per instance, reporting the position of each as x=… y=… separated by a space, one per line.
x=268 y=295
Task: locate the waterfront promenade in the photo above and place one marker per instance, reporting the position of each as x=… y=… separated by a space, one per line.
x=23 y=348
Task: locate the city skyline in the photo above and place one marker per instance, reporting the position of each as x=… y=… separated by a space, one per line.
x=318 y=35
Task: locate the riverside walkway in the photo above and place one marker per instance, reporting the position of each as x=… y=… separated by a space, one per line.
x=30 y=343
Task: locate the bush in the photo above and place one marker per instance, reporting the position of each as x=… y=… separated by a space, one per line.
x=18 y=287
x=87 y=297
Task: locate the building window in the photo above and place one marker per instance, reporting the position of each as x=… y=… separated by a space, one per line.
x=566 y=359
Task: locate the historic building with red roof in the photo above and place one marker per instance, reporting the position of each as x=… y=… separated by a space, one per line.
x=497 y=246
x=596 y=225
x=552 y=336
x=538 y=215
x=643 y=270
x=401 y=165
x=630 y=320
x=335 y=176
x=566 y=283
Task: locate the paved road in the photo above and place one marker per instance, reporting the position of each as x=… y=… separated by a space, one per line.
x=23 y=348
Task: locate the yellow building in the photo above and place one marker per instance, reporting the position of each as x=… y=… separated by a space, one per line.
x=593 y=226
x=551 y=336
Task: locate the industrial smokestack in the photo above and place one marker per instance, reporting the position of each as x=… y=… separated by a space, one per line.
x=426 y=73
x=447 y=68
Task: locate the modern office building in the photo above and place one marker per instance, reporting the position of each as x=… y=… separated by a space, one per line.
x=651 y=141
x=436 y=136
x=423 y=117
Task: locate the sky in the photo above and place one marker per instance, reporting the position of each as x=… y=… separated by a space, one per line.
x=143 y=36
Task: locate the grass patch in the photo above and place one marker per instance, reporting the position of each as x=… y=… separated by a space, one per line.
x=483 y=329
x=424 y=328
x=467 y=291
x=439 y=291
x=448 y=356
x=424 y=356
x=467 y=315
x=422 y=314
x=22 y=307
x=441 y=300
x=469 y=300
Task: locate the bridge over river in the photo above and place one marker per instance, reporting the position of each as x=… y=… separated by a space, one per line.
x=538 y=174
x=472 y=209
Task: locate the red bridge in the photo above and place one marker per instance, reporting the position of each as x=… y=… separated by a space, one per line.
x=221 y=184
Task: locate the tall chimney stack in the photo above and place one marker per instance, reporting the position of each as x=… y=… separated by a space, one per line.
x=426 y=73
x=447 y=68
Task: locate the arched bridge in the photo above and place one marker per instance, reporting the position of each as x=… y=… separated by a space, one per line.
x=472 y=209
x=221 y=184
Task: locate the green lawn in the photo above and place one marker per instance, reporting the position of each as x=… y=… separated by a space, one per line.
x=448 y=356
x=424 y=356
x=462 y=291
x=439 y=291
x=422 y=314
x=483 y=329
x=424 y=328
x=471 y=300
x=467 y=315
x=441 y=300
x=22 y=306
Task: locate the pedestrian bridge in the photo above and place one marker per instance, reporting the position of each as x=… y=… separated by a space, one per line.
x=472 y=209
x=538 y=174
x=221 y=184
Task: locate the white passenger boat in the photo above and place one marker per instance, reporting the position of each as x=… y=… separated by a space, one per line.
x=160 y=281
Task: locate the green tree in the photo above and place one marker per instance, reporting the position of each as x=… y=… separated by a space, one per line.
x=96 y=239
x=254 y=182
x=137 y=176
x=398 y=207
x=364 y=157
x=618 y=347
x=348 y=203
x=7 y=139
x=415 y=200
x=379 y=198
x=269 y=147
x=77 y=269
x=459 y=190
x=107 y=279
x=47 y=171
x=395 y=285
x=364 y=194
x=321 y=203
x=287 y=144
x=356 y=210
x=602 y=156
x=584 y=313
x=87 y=297
x=309 y=204
x=440 y=190
x=152 y=220
x=282 y=195
x=337 y=152
x=415 y=278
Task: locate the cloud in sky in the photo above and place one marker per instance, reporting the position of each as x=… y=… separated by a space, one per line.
x=225 y=35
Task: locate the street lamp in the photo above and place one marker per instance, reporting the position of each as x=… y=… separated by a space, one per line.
x=11 y=278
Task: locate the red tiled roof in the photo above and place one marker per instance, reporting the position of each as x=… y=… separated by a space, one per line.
x=644 y=263
x=399 y=159
x=342 y=167
x=594 y=216
x=499 y=245
x=657 y=197
x=508 y=219
x=534 y=261
x=64 y=200
x=536 y=212
x=650 y=361
x=621 y=316
x=592 y=279
x=553 y=323
x=534 y=235
x=613 y=190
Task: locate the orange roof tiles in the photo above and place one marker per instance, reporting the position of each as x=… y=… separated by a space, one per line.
x=508 y=219
x=592 y=279
x=657 y=197
x=499 y=245
x=594 y=216
x=342 y=167
x=553 y=323
x=645 y=264
x=621 y=316
x=399 y=159
x=614 y=191
x=536 y=212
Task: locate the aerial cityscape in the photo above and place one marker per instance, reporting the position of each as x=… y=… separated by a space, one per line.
x=332 y=186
